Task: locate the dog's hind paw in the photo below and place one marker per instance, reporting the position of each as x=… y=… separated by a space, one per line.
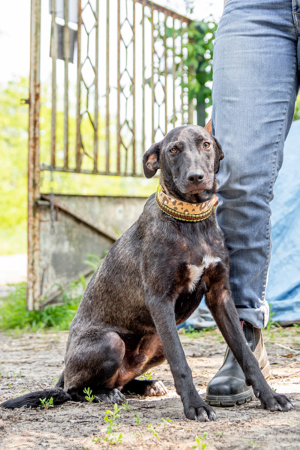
x=149 y=388
x=110 y=396
x=156 y=388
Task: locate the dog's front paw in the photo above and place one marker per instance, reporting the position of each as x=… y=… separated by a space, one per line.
x=196 y=409
x=273 y=402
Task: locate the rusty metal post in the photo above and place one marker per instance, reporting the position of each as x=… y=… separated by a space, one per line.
x=96 y=81
x=166 y=77
x=143 y=81
x=53 y=88
x=33 y=267
x=133 y=92
x=66 y=83
x=107 y=136
x=181 y=75
x=152 y=75
x=174 y=77
x=119 y=92
x=78 y=93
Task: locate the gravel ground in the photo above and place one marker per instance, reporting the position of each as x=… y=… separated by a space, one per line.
x=34 y=361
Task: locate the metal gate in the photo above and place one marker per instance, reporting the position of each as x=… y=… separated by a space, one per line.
x=130 y=77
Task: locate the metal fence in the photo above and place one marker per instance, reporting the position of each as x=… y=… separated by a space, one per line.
x=130 y=70
x=129 y=84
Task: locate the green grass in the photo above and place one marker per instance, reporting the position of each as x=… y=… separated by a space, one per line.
x=14 y=316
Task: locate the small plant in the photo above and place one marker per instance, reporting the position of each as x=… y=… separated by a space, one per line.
x=200 y=442
x=147 y=375
x=126 y=406
x=55 y=379
x=221 y=433
x=165 y=422
x=47 y=403
x=89 y=397
x=114 y=439
x=153 y=431
x=97 y=439
x=110 y=417
x=138 y=435
x=137 y=419
x=251 y=444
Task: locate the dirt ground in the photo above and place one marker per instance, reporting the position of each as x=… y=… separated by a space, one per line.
x=34 y=361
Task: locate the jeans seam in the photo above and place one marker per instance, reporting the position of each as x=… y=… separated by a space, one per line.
x=272 y=185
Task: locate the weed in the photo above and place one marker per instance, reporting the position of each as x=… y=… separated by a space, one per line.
x=153 y=431
x=93 y=261
x=114 y=439
x=147 y=375
x=14 y=315
x=9 y=384
x=110 y=417
x=47 y=403
x=138 y=435
x=165 y=422
x=96 y=439
x=221 y=433
x=55 y=379
x=137 y=419
x=89 y=397
x=191 y=333
x=251 y=444
x=126 y=406
x=200 y=442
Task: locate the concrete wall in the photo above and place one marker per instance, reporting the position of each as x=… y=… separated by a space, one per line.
x=97 y=222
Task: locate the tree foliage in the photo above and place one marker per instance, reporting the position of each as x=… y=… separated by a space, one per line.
x=200 y=47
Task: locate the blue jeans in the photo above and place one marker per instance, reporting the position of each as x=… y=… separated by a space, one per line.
x=256 y=69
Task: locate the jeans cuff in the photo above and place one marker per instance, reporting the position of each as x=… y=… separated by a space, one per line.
x=258 y=317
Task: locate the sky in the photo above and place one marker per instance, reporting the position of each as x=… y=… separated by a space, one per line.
x=15 y=30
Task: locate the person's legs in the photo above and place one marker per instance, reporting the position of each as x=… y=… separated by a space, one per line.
x=254 y=91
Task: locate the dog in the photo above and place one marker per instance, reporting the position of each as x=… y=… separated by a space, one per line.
x=153 y=279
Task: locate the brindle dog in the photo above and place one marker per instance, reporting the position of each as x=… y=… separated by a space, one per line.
x=152 y=279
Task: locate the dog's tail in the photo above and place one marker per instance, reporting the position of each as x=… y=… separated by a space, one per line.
x=33 y=399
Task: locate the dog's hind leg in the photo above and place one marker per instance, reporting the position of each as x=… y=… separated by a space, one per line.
x=93 y=361
x=60 y=383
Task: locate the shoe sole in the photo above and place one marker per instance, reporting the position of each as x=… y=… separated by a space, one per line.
x=238 y=399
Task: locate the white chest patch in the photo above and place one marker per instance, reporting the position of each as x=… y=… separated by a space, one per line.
x=197 y=271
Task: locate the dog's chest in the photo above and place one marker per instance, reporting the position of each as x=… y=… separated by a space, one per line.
x=196 y=271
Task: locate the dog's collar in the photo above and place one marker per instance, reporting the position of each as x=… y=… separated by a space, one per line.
x=188 y=212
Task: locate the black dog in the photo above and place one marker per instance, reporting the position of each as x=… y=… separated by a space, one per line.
x=152 y=279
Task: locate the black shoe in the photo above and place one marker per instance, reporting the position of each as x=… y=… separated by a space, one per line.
x=228 y=386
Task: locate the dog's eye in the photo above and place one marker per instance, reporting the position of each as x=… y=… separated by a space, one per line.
x=173 y=150
x=206 y=145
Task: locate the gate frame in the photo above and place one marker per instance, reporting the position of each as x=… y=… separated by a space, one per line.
x=34 y=287
x=33 y=221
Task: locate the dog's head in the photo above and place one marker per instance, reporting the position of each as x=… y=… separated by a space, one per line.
x=189 y=157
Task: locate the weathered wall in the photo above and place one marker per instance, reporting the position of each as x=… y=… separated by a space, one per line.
x=63 y=253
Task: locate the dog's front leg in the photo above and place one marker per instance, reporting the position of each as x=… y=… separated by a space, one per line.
x=222 y=307
x=163 y=315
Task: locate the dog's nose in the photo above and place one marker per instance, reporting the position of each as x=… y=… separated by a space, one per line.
x=195 y=177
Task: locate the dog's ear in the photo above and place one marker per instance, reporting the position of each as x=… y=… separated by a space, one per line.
x=219 y=156
x=151 y=160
